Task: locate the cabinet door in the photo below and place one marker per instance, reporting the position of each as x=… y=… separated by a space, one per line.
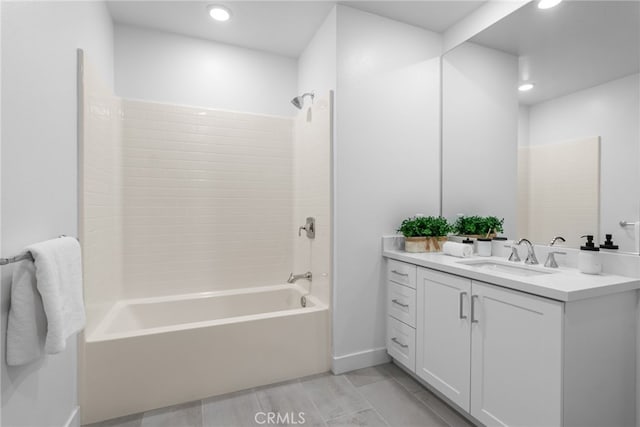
x=516 y=358
x=443 y=334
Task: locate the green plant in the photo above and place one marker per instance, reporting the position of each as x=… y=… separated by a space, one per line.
x=424 y=226
x=475 y=225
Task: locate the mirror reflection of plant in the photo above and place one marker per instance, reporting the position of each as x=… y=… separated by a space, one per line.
x=425 y=226
x=476 y=225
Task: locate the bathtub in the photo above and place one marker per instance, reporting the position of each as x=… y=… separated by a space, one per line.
x=154 y=352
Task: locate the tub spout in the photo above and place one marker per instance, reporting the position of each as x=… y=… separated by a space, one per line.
x=293 y=277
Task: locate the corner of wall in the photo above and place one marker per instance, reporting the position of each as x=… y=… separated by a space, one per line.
x=478 y=20
x=317 y=62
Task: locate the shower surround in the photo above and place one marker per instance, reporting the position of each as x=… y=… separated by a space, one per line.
x=189 y=221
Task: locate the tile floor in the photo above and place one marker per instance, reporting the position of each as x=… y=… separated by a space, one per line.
x=378 y=396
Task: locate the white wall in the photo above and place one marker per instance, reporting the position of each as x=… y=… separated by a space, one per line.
x=386 y=165
x=164 y=67
x=39 y=173
x=480 y=133
x=317 y=63
x=611 y=111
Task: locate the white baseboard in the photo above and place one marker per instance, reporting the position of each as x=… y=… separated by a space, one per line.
x=361 y=359
x=74 y=418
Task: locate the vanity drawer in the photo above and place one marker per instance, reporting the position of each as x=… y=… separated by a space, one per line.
x=401 y=343
x=401 y=272
x=401 y=303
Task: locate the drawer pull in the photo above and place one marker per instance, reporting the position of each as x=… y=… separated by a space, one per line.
x=460 y=315
x=395 y=340
x=473 y=309
x=395 y=301
x=399 y=273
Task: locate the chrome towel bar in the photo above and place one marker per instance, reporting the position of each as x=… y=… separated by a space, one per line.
x=21 y=257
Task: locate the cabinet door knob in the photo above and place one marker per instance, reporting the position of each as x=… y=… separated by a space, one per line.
x=473 y=308
x=461 y=315
x=395 y=340
x=395 y=301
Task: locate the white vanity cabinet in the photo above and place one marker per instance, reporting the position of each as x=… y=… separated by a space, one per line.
x=444 y=335
x=401 y=312
x=510 y=358
x=496 y=353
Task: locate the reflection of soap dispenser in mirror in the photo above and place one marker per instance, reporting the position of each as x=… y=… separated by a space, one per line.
x=608 y=243
x=589 y=257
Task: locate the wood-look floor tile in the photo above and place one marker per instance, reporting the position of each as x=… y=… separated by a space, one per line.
x=334 y=396
x=366 y=418
x=185 y=415
x=403 y=378
x=235 y=409
x=128 y=421
x=399 y=407
x=289 y=400
x=368 y=375
x=450 y=415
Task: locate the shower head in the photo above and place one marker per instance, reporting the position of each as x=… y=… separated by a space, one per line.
x=299 y=100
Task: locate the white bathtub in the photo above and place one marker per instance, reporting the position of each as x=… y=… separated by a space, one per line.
x=154 y=352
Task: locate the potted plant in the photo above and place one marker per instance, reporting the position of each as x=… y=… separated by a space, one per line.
x=478 y=226
x=424 y=233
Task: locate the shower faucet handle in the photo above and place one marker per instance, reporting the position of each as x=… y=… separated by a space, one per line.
x=309 y=228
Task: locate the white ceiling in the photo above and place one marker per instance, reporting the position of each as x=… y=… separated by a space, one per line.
x=578 y=44
x=432 y=15
x=281 y=27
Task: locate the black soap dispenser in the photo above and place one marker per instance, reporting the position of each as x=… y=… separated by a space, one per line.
x=608 y=243
x=589 y=257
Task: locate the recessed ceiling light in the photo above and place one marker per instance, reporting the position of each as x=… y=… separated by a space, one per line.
x=219 y=13
x=524 y=87
x=548 y=4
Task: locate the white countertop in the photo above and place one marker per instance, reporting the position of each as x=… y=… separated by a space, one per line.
x=564 y=284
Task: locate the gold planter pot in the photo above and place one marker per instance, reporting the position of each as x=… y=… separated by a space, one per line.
x=424 y=244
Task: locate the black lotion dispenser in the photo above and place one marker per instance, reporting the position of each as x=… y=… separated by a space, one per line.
x=589 y=257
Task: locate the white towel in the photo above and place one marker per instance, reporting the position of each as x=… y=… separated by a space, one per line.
x=460 y=250
x=57 y=268
x=26 y=326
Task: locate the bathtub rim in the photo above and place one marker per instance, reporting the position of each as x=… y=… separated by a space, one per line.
x=99 y=335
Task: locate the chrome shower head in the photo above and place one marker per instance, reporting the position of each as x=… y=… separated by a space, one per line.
x=299 y=100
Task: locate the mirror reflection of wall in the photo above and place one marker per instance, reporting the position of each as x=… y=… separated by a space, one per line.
x=575 y=154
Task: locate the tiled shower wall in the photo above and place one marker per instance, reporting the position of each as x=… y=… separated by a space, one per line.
x=207 y=199
x=312 y=193
x=101 y=195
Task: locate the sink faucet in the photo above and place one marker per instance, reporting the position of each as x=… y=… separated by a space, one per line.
x=293 y=277
x=555 y=239
x=514 y=257
x=531 y=255
x=551 y=260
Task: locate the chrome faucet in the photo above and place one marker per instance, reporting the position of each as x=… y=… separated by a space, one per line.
x=555 y=239
x=293 y=277
x=514 y=257
x=551 y=259
x=531 y=255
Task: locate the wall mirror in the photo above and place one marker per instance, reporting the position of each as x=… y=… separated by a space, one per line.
x=562 y=158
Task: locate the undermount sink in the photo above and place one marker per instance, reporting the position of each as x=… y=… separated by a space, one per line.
x=517 y=270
